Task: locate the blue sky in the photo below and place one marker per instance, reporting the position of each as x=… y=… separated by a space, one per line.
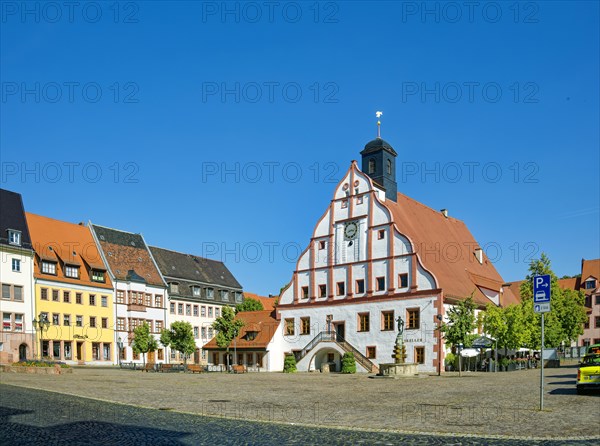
x=221 y=130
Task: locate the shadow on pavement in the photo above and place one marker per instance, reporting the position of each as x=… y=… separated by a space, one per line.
x=81 y=432
x=564 y=391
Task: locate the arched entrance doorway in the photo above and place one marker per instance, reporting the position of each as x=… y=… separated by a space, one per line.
x=330 y=356
x=23 y=352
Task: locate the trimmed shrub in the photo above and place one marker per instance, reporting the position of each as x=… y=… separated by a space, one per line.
x=348 y=363
x=289 y=364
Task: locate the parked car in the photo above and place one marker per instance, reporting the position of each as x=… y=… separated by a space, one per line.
x=588 y=375
x=594 y=348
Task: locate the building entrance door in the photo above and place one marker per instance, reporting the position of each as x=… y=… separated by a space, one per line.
x=79 y=351
x=340 y=331
x=23 y=352
x=150 y=356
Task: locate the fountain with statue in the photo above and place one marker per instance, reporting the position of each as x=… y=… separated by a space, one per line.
x=399 y=368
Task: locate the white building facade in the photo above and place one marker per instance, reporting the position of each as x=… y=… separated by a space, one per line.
x=17 y=303
x=140 y=292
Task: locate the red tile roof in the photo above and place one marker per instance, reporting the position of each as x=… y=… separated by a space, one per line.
x=268 y=302
x=571 y=283
x=67 y=244
x=446 y=247
x=590 y=268
x=262 y=322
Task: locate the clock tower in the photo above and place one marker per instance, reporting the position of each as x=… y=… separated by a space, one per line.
x=379 y=162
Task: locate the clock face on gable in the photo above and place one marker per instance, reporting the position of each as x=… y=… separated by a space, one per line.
x=350 y=230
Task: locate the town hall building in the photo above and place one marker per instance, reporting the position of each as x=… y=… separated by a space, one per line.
x=376 y=255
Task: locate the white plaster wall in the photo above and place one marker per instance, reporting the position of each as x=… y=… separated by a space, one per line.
x=380 y=214
x=401 y=244
x=424 y=279
x=23 y=278
x=380 y=269
x=402 y=266
x=151 y=313
x=492 y=295
x=304 y=260
x=383 y=340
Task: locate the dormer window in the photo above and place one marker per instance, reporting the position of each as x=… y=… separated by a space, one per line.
x=14 y=237
x=224 y=295
x=98 y=276
x=196 y=290
x=210 y=293
x=590 y=284
x=72 y=272
x=238 y=297
x=371 y=165
x=174 y=287
x=48 y=267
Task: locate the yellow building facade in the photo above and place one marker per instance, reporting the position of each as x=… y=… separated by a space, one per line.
x=80 y=323
x=74 y=298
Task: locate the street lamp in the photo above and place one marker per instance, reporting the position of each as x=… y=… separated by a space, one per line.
x=439 y=318
x=120 y=346
x=42 y=324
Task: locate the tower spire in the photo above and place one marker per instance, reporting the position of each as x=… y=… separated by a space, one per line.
x=378 y=114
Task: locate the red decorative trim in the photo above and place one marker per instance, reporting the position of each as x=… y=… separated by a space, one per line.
x=384 y=297
x=391 y=266
x=413 y=272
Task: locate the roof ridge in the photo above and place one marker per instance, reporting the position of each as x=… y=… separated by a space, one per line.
x=117 y=230
x=186 y=254
x=428 y=208
x=54 y=219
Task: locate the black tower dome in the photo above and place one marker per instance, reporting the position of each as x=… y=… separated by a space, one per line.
x=379 y=162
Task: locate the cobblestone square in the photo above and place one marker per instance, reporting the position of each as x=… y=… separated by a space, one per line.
x=480 y=404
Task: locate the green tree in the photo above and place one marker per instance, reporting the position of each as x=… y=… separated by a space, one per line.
x=249 y=304
x=507 y=326
x=227 y=327
x=289 y=364
x=179 y=337
x=348 y=363
x=461 y=324
x=564 y=323
x=143 y=341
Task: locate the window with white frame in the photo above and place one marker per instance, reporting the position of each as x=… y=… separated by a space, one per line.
x=16 y=265
x=49 y=267
x=6 y=321
x=196 y=290
x=210 y=293
x=72 y=271
x=14 y=237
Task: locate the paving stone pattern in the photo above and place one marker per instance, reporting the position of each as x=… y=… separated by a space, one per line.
x=487 y=408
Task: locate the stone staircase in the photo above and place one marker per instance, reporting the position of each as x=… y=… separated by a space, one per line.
x=330 y=336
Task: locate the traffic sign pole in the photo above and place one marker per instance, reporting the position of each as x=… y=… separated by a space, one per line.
x=542 y=368
x=541 y=304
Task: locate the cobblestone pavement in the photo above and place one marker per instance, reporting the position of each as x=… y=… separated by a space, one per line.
x=33 y=417
x=490 y=405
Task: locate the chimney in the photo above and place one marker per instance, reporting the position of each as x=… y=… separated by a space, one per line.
x=444 y=212
x=479 y=255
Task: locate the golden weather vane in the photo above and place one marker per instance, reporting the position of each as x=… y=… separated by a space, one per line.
x=378 y=114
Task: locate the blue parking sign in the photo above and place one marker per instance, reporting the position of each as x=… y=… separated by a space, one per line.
x=541 y=289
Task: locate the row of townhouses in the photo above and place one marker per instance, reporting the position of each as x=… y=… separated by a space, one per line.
x=376 y=258
x=75 y=292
